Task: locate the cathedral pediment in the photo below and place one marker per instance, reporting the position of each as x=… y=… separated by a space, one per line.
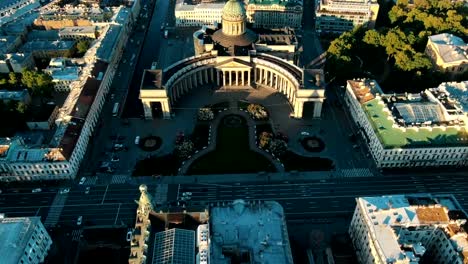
x=234 y=64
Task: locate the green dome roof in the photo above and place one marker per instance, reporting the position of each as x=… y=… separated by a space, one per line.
x=233 y=10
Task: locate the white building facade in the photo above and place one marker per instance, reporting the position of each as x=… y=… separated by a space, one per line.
x=24 y=240
x=409 y=229
x=337 y=16
x=411 y=130
x=262 y=14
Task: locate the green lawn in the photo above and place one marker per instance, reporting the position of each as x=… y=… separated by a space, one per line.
x=232 y=154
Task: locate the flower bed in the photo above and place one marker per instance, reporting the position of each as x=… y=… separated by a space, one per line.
x=200 y=135
x=150 y=143
x=312 y=144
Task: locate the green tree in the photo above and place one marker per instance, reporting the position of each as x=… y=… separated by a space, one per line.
x=82 y=46
x=13 y=79
x=341 y=47
x=21 y=107
x=372 y=37
x=38 y=82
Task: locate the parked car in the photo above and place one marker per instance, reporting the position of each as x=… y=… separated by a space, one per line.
x=79 y=220
x=186 y=193
x=82 y=181
x=63 y=191
x=129 y=236
x=87 y=190
x=115 y=158
x=137 y=140
x=36 y=190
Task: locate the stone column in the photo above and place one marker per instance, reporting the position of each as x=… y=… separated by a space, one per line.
x=237 y=77
x=318 y=108
x=271 y=78
x=166 y=109
x=206 y=75
x=189 y=80
x=298 y=106
x=261 y=75
x=224 y=78
x=211 y=75
x=217 y=77
x=230 y=78
x=147 y=108
x=248 y=77
x=185 y=85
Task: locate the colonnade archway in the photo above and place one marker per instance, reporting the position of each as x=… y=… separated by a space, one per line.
x=233 y=74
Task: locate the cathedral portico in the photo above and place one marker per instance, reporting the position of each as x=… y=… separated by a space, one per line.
x=232 y=63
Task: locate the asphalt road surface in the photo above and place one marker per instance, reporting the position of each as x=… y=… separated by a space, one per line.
x=327 y=198
x=149 y=53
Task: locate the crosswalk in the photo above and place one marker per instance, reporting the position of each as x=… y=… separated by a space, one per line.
x=56 y=209
x=91 y=180
x=120 y=179
x=76 y=234
x=356 y=172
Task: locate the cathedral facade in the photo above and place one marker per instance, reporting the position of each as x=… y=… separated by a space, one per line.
x=234 y=57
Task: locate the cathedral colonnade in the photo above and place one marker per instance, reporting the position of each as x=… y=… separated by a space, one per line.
x=231 y=76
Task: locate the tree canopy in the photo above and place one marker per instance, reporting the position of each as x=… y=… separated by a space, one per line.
x=40 y=83
x=401 y=45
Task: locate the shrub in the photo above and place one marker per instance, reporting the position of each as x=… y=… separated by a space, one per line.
x=278 y=147
x=184 y=149
x=205 y=114
x=257 y=111
x=264 y=139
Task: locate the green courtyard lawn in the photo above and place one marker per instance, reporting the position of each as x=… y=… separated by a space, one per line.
x=232 y=153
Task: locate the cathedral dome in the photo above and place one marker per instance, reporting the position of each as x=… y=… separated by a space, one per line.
x=233 y=10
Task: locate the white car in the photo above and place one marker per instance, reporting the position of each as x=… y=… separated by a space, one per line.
x=36 y=190
x=137 y=140
x=63 y=191
x=87 y=190
x=82 y=181
x=304 y=133
x=129 y=236
x=79 y=220
x=186 y=193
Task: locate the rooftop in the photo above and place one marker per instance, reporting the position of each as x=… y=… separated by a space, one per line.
x=451 y=48
x=14 y=233
x=32 y=46
x=174 y=246
x=388 y=216
x=13 y=95
x=75 y=30
x=151 y=79
x=64 y=74
x=107 y=44
x=255 y=233
x=428 y=119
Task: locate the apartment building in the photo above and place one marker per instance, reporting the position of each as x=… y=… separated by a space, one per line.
x=78 y=33
x=14 y=9
x=24 y=240
x=45 y=49
x=427 y=129
x=62 y=74
x=262 y=14
x=409 y=229
x=338 y=16
x=53 y=16
x=448 y=53
x=275 y=13
x=60 y=158
x=16 y=62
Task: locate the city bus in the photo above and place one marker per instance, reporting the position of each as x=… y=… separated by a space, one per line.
x=115 y=110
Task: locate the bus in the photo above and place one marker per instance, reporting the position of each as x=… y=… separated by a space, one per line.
x=115 y=111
